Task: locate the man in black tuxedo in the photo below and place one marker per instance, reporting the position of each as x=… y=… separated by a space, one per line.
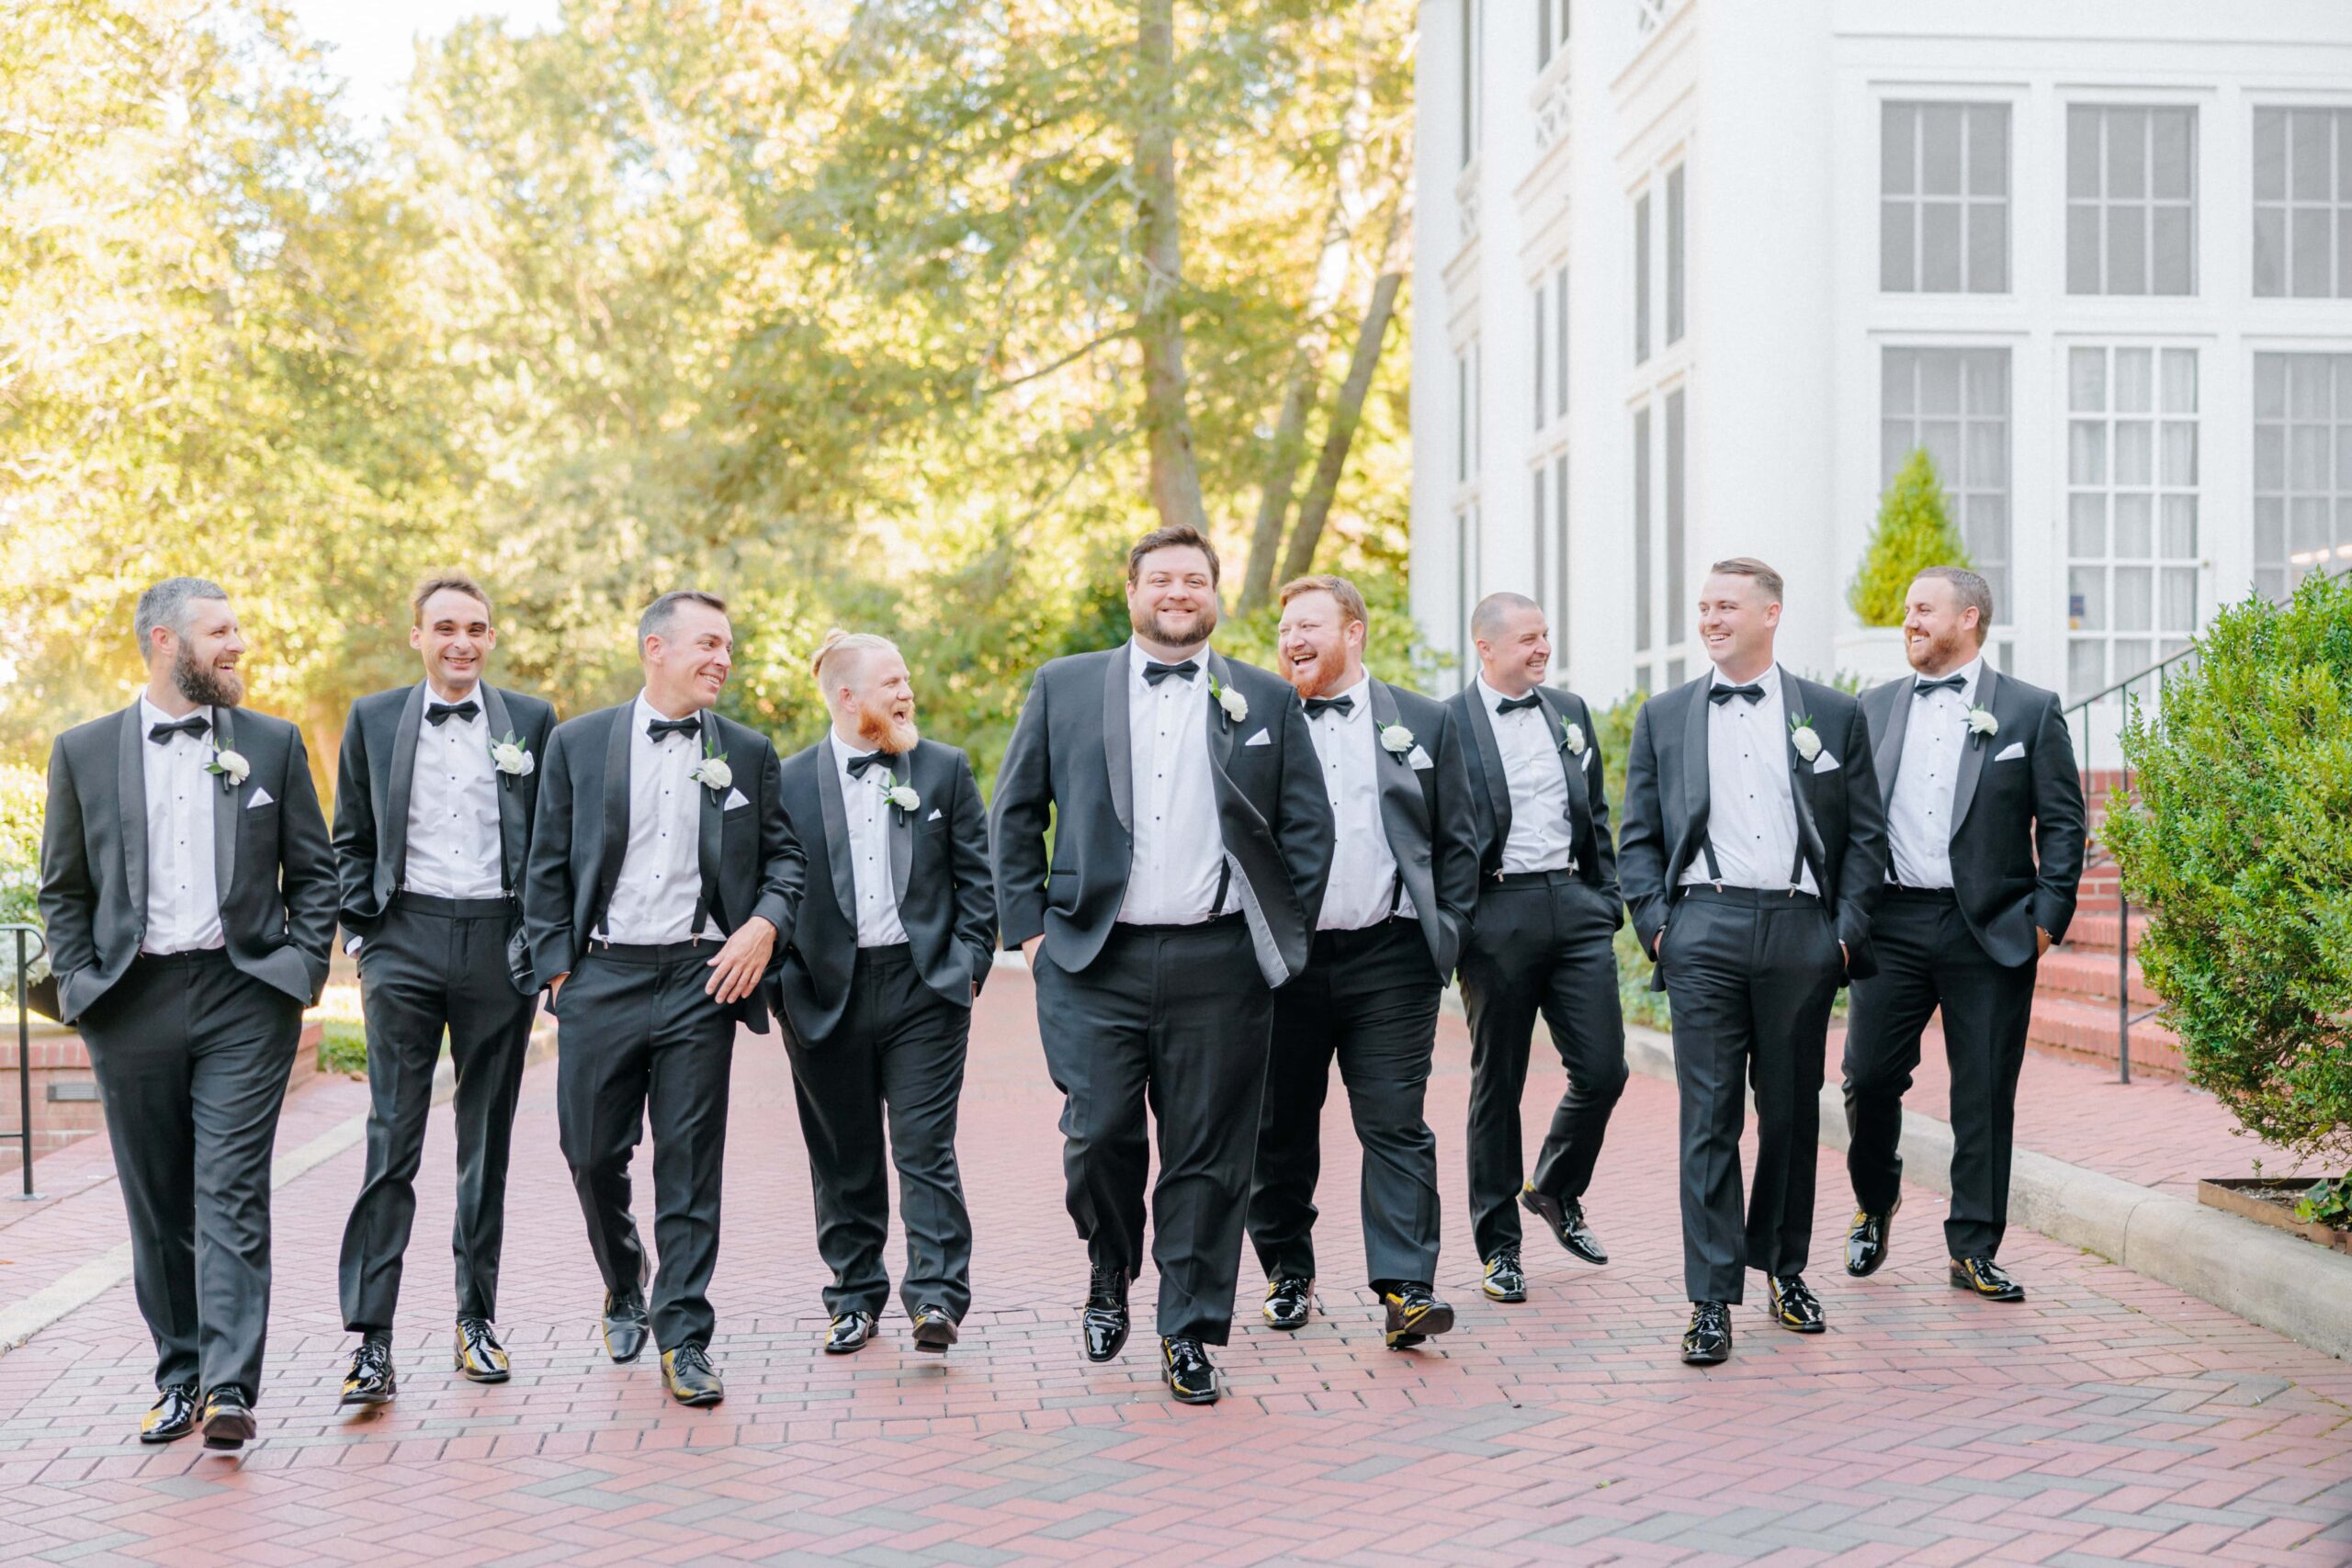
x=1540 y=945
x=1754 y=854
x=663 y=875
x=1191 y=840
x=188 y=889
x=433 y=808
x=1985 y=836
x=878 y=985
x=1403 y=873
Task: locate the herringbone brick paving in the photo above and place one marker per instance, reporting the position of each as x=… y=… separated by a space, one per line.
x=2106 y=1419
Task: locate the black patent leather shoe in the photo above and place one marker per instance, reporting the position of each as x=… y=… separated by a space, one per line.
x=1866 y=1240
x=1707 y=1342
x=172 y=1416
x=935 y=1330
x=1505 y=1281
x=370 y=1379
x=1564 y=1217
x=1414 y=1314
x=687 y=1372
x=481 y=1358
x=851 y=1331
x=1983 y=1276
x=1103 y=1326
x=1290 y=1301
x=1184 y=1365
x=228 y=1418
x=1794 y=1306
x=625 y=1325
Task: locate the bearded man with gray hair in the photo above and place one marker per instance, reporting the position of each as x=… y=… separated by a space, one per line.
x=894 y=941
x=188 y=892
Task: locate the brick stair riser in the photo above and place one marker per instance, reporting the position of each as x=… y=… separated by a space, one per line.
x=2088 y=977
x=2085 y=1030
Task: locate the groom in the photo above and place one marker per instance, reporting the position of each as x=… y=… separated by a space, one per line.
x=1190 y=843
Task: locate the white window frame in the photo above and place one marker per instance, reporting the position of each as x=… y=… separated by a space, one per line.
x=2286 y=214
x=1909 y=209
x=1965 y=486
x=2302 y=452
x=2101 y=212
x=2133 y=524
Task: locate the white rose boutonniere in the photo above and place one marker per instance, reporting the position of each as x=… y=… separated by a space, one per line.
x=229 y=767
x=1982 y=725
x=1572 y=738
x=1802 y=737
x=513 y=760
x=712 y=772
x=1396 y=739
x=902 y=797
x=1234 y=705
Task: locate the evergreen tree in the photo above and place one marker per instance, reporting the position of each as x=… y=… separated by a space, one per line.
x=1915 y=531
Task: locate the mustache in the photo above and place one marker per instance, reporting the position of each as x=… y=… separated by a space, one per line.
x=207 y=684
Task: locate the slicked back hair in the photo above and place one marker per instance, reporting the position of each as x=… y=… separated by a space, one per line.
x=450 y=582
x=1176 y=536
x=1748 y=565
x=165 y=604
x=1487 y=620
x=657 y=617
x=1972 y=590
x=1343 y=592
x=839 y=649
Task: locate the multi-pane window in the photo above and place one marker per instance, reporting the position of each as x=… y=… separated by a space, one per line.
x=1955 y=403
x=1469 y=81
x=1462 y=417
x=2303 y=203
x=1943 y=182
x=1560 y=531
x=1551 y=29
x=2132 y=489
x=2303 y=468
x=2130 y=200
x=1541 y=403
x=1641 y=533
x=1466 y=569
x=1674 y=238
x=1641 y=277
x=1535 y=530
x=1677 y=607
x=1560 y=339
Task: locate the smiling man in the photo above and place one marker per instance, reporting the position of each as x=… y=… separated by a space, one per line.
x=663 y=875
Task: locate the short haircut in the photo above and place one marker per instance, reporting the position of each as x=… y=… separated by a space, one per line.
x=454 y=582
x=841 y=648
x=1748 y=565
x=1176 y=536
x=1972 y=590
x=657 y=616
x=1487 y=620
x=165 y=605
x=1351 y=602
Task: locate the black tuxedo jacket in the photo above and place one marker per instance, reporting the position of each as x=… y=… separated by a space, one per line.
x=1596 y=846
x=2017 y=793
x=752 y=864
x=1841 y=823
x=372 y=792
x=1433 y=833
x=270 y=856
x=1068 y=765
x=939 y=870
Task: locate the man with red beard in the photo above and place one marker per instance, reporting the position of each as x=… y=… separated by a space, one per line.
x=1404 y=878
x=188 y=892
x=892 y=945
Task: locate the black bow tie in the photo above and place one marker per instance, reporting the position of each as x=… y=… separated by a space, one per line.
x=865 y=760
x=660 y=728
x=1752 y=692
x=1513 y=704
x=195 y=724
x=1343 y=706
x=1949 y=683
x=436 y=713
x=1154 y=671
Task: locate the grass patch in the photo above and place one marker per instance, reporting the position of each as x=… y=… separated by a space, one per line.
x=343 y=1048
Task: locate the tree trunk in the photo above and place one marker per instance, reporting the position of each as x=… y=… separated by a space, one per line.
x=1345 y=415
x=1167 y=421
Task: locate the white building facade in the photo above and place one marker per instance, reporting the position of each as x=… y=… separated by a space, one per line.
x=1694 y=276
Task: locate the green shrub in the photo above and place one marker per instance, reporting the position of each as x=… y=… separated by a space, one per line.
x=2238 y=838
x=343 y=1048
x=1913 y=531
x=22 y=792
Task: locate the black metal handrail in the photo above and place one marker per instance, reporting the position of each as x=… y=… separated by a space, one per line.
x=21 y=934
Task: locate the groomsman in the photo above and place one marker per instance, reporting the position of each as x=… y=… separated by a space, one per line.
x=188 y=890
x=1754 y=853
x=1403 y=870
x=1541 y=946
x=1191 y=842
x=433 y=808
x=663 y=875
x=1984 y=833
x=877 y=984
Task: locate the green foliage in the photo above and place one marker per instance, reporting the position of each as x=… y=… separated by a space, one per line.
x=2329 y=1203
x=22 y=791
x=1914 y=530
x=343 y=1048
x=2238 y=835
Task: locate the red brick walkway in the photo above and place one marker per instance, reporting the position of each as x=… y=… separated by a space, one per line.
x=2106 y=1419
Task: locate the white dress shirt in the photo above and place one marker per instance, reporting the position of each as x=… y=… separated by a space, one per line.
x=660 y=878
x=1179 y=848
x=183 y=889
x=1363 y=871
x=454 y=845
x=1542 y=838
x=1751 y=806
x=867 y=816
x=1918 y=819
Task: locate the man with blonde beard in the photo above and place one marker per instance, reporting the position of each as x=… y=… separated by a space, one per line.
x=1404 y=878
x=894 y=941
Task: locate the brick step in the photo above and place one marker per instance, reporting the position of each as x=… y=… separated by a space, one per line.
x=2087 y=977
x=2085 y=1031
x=2094 y=930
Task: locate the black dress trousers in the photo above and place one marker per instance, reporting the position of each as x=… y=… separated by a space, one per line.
x=896 y=1057
x=430 y=965
x=1928 y=958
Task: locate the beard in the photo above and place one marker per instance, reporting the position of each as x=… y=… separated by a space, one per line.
x=885 y=731
x=1319 y=678
x=1947 y=652
x=207 y=685
x=1175 y=628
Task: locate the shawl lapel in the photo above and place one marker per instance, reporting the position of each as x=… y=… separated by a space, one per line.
x=614 y=847
x=514 y=833
x=902 y=833
x=1115 y=754
x=1972 y=752
x=1571 y=770
x=1794 y=703
x=1887 y=758
x=403 y=777
x=1491 y=765
x=711 y=819
x=1697 y=784
x=227 y=805
x=835 y=810
x=1404 y=810
x=130 y=797
x=1221 y=731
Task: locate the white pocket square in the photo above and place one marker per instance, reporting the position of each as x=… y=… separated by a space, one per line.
x=1420 y=759
x=1261 y=738
x=261 y=798
x=1825 y=763
x=1583 y=758
x=735 y=797
x=2011 y=752
x=934 y=815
